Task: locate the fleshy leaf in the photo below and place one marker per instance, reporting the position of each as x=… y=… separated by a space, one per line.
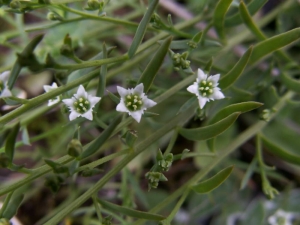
x=207 y=132
x=290 y=83
x=13 y=205
x=228 y=79
x=213 y=182
x=219 y=17
x=140 y=32
x=238 y=107
x=10 y=142
x=152 y=68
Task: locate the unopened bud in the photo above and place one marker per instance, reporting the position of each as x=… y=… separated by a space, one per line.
x=74 y=148
x=15 y=5
x=93 y=4
x=54 y=17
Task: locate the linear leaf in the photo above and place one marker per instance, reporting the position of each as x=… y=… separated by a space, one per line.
x=219 y=17
x=91 y=149
x=228 y=79
x=13 y=205
x=238 y=107
x=130 y=212
x=153 y=66
x=272 y=44
x=280 y=152
x=140 y=32
x=10 y=142
x=207 y=132
x=248 y=173
x=290 y=83
x=213 y=182
x=252 y=7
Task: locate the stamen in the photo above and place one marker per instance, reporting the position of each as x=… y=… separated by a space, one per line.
x=210 y=91
x=134 y=106
x=75 y=103
x=129 y=103
x=210 y=83
x=128 y=96
x=84 y=109
x=80 y=104
x=204 y=82
x=81 y=99
x=135 y=96
x=204 y=94
x=135 y=100
x=140 y=102
x=201 y=88
x=207 y=88
x=86 y=102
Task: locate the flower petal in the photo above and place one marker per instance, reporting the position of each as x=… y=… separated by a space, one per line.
x=81 y=92
x=217 y=94
x=69 y=102
x=193 y=88
x=121 y=107
x=201 y=75
x=4 y=76
x=88 y=115
x=214 y=79
x=137 y=115
x=93 y=100
x=6 y=93
x=139 y=89
x=73 y=115
x=148 y=103
x=53 y=102
x=122 y=91
x=202 y=101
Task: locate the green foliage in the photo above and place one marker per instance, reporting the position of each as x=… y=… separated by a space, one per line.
x=104 y=167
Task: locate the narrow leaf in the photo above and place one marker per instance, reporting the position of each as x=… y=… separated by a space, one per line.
x=10 y=142
x=187 y=104
x=213 y=182
x=13 y=206
x=92 y=148
x=249 y=22
x=238 y=107
x=290 y=83
x=280 y=152
x=219 y=17
x=228 y=79
x=252 y=7
x=130 y=212
x=248 y=173
x=140 y=32
x=102 y=76
x=272 y=44
x=154 y=65
x=207 y=132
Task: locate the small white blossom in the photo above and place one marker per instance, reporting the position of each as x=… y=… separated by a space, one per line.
x=281 y=218
x=206 y=88
x=48 y=88
x=81 y=104
x=4 y=90
x=134 y=101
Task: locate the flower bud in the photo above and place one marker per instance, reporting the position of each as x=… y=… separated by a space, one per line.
x=4 y=160
x=54 y=183
x=15 y=5
x=93 y=4
x=266 y=115
x=74 y=148
x=154 y=178
x=54 y=16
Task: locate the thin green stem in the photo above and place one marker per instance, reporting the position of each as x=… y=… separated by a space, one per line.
x=172 y=142
x=97 y=208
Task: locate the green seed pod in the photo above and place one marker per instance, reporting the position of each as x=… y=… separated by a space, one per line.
x=93 y=4
x=74 y=148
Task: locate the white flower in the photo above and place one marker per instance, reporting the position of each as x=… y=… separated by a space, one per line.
x=81 y=104
x=281 y=218
x=4 y=90
x=48 y=88
x=206 y=88
x=134 y=101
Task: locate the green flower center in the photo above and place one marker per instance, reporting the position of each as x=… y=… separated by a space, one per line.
x=205 y=88
x=281 y=221
x=133 y=102
x=82 y=105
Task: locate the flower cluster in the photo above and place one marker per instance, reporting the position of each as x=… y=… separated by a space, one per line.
x=133 y=100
